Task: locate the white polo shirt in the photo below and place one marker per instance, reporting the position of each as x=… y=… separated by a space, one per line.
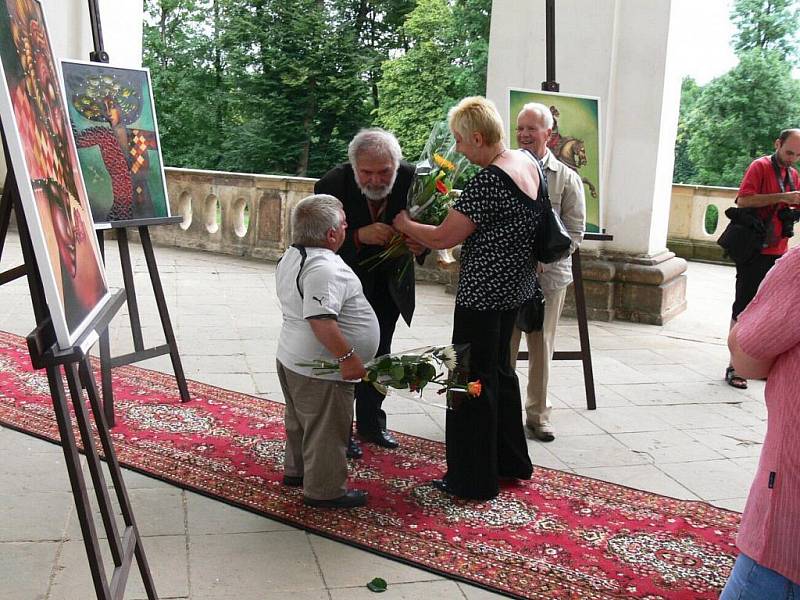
x=330 y=290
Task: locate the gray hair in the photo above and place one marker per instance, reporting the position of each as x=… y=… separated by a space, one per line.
x=377 y=142
x=541 y=110
x=313 y=217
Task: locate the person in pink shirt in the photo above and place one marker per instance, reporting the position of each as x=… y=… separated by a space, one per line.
x=765 y=342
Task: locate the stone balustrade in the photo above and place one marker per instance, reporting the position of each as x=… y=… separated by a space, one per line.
x=246 y=215
x=688 y=236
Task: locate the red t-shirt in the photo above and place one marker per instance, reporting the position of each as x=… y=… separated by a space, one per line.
x=760 y=179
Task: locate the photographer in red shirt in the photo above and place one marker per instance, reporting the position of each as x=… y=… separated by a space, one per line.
x=770 y=185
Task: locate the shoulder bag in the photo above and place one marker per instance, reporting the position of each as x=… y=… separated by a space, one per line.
x=552 y=242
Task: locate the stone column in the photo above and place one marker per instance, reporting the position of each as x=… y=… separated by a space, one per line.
x=618 y=50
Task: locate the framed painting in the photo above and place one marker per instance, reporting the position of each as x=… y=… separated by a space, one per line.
x=575 y=140
x=115 y=130
x=47 y=172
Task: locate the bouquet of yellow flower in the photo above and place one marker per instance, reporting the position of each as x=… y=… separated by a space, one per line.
x=429 y=197
x=414 y=369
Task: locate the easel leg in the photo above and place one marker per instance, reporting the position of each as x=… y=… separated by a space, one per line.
x=130 y=290
x=163 y=311
x=78 y=485
x=5 y=214
x=93 y=459
x=87 y=377
x=105 y=355
x=583 y=330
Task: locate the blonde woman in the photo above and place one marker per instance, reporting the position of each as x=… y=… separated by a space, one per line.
x=496 y=217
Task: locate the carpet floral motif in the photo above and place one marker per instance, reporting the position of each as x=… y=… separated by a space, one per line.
x=556 y=536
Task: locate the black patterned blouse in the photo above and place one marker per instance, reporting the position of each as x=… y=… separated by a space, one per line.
x=497 y=272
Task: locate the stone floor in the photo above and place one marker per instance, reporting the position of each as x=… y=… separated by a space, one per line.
x=665 y=422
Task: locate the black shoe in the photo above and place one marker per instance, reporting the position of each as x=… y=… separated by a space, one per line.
x=354 y=450
x=381 y=438
x=441 y=485
x=351 y=499
x=293 y=480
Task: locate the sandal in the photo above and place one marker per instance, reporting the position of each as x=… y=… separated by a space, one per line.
x=734 y=380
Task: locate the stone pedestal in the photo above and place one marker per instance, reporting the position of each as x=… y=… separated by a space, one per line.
x=642 y=289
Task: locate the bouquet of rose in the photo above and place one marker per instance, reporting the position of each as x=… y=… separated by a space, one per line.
x=413 y=370
x=429 y=197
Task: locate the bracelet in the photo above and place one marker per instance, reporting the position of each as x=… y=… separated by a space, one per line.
x=346 y=355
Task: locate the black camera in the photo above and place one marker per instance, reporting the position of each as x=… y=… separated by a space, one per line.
x=788 y=217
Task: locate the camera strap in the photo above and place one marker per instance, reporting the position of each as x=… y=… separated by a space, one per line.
x=783 y=182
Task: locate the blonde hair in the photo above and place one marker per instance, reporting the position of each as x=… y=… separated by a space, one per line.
x=476 y=114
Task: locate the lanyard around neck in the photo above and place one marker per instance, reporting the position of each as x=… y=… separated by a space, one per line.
x=783 y=182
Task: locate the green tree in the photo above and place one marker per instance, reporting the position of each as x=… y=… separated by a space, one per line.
x=281 y=86
x=445 y=62
x=766 y=25
x=738 y=115
x=685 y=171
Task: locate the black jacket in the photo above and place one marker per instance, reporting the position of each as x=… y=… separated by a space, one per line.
x=382 y=283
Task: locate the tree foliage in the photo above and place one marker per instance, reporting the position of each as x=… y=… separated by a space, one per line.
x=767 y=25
x=735 y=118
x=281 y=86
x=738 y=116
x=445 y=62
x=685 y=170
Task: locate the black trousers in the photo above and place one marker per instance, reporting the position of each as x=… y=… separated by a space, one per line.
x=748 y=278
x=485 y=437
x=370 y=417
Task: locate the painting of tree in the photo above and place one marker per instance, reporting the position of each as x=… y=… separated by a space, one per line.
x=114 y=125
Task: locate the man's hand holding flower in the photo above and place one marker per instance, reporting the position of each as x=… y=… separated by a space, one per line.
x=377 y=234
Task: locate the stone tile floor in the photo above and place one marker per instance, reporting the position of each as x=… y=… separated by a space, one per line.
x=666 y=423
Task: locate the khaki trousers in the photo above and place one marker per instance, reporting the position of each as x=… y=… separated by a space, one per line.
x=317 y=417
x=540 y=355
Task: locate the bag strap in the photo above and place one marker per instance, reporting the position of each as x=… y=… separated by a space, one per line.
x=544 y=195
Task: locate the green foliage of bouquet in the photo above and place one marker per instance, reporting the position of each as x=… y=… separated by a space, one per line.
x=413 y=370
x=430 y=195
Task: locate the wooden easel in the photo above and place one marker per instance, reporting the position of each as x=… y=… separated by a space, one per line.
x=585 y=353
x=76 y=366
x=107 y=362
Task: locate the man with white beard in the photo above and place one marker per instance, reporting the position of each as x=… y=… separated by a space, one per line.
x=373 y=188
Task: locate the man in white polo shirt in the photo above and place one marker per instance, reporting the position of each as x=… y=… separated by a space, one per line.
x=325 y=317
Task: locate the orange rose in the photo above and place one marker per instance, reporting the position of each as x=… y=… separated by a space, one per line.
x=474 y=388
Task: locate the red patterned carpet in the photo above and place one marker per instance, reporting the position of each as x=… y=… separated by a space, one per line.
x=558 y=536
